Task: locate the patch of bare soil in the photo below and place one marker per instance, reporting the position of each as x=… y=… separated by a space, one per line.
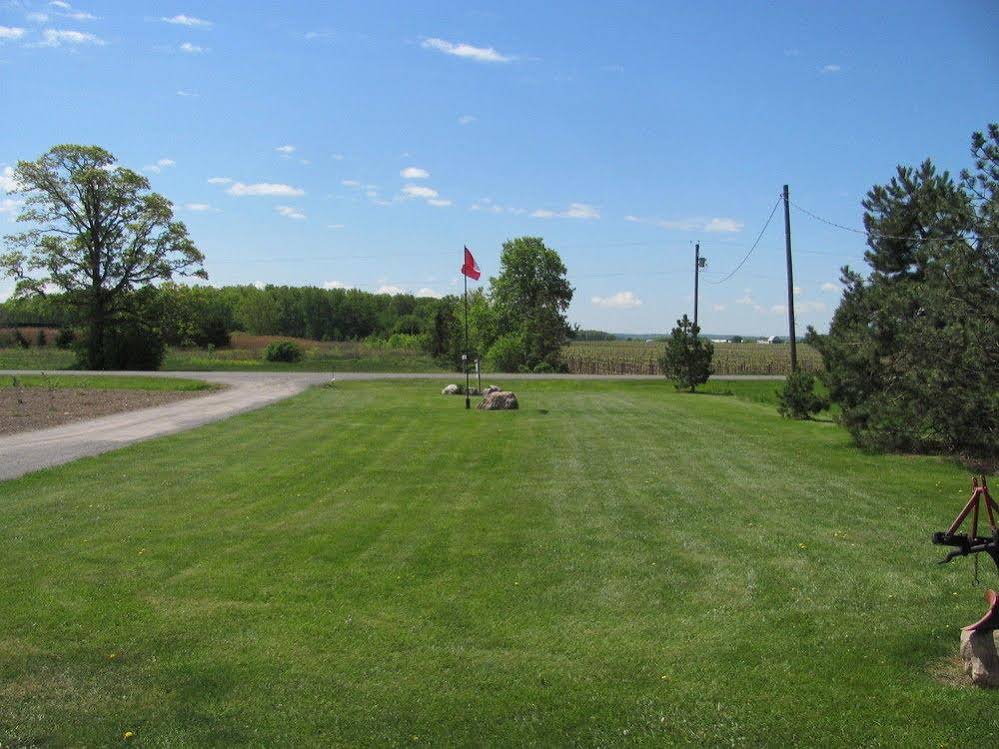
x=24 y=409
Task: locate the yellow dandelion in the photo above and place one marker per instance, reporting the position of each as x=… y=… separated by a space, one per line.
x=128 y=735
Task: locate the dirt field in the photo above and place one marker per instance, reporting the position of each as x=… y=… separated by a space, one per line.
x=24 y=409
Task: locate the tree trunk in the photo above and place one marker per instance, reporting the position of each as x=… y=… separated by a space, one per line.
x=95 y=339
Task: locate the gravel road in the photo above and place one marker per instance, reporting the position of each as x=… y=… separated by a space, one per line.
x=31 y=451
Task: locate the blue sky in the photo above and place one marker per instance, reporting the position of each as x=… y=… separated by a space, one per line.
x=363 y=143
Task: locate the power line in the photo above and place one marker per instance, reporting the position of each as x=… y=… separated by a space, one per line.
x=751 y=249
x=868 y=234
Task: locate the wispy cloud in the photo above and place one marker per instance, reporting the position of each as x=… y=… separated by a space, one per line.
x=57 y=38
x=334 y=226
x=159 y=166
x=831 y=287
x=718 y=224
x=335 y=285
x=38 y=17
x=466 y=119
x=240 y=189
x=286 y=150
x=60 y=4
x=289 y=212
x=192 y=49
x=439 y=202
x=7 y=181
x=490 y=206
x=11 y=33
x=198 y=207
x=219 y=180
x=428 y=292
x=189 y=21
x=185 y=93
x=390 y=289
x=466 y=51
x=831 y=69
x=419 y=191
x=575 y=210
x=414 y=172
x=620 y=300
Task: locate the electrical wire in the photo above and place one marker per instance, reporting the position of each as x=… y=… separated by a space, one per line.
x=751 y=249
x=955 y=238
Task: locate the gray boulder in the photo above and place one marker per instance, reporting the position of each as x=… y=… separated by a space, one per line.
x=499 y=400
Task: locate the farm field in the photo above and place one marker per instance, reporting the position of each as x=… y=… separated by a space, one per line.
x=639 y=357
x=246 y=353
x=615 y=564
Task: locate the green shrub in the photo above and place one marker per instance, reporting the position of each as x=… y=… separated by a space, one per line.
x=65 y=337
x=129 y=345
x=284 y=351
x=408 y=341
x=506 y=354
x=40 y=338
x=797 y=399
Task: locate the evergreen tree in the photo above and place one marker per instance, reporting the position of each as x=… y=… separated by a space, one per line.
x=686 y=359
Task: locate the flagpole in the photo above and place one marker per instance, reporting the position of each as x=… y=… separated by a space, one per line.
x=468 y=402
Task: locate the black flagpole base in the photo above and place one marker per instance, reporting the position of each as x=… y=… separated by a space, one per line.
x=468 y=402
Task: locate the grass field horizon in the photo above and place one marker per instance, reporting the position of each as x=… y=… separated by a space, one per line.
x=616 y=563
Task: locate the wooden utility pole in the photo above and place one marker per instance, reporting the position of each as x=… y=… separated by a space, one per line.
x=790 y=282
x=699 y=262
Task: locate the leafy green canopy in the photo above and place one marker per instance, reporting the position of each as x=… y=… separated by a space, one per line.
x=912 y=355
x=97 y=233
x=686 y=358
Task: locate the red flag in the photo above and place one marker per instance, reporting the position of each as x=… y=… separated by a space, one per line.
x=470 y=268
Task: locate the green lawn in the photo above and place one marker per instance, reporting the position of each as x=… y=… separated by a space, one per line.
x=370 y=564
x=104 y=382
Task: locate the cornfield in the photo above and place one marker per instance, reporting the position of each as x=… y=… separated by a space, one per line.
x=639 y=357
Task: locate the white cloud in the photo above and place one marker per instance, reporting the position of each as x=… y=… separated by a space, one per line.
x=466 y=119
x=620 y=300
x=428 y=292
x=334 y=226
x=718 y=224
x=9 y=205
x=335 y=285
x=812 y=306
x=439 y=202
x=718 y=307
x=832 y=287
x=265 y=188
x=419 y=191
x=192 y=49
x=797 y=290
x=575 y=210
x=390 y=289
x=831 y=69
x=337 y=157
x=7 y=181
x=79 y=15
x=11 y=32
x=260 y=284
x=182 y=92
x=219 y=180
x=778 y=309
x=723 y=225
x=197 y=206
x=159 y=166
x=60 y=4
x=414 y=172
x=38 y=17
x=288 y=212
x=350 y=183
x=467 y=51
x=189 y=21
x=746 y=298
x=56 y=38
x=285 y=149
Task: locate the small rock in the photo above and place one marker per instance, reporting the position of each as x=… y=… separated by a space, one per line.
x=451 y=390
x=499 y=400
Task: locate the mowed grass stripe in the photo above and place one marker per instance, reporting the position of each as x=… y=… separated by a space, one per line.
x=615 y=563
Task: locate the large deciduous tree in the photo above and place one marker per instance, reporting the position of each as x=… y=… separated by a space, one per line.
x=97 y=233
x=912 y=355
x=531 y=295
